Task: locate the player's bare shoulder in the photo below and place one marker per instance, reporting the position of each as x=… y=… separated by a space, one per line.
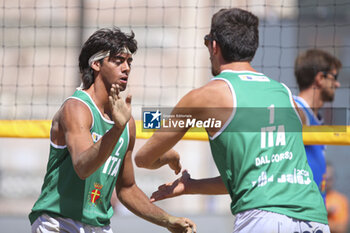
x=72 y=113
x=215 y=93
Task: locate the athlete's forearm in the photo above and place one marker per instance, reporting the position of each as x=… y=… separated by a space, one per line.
x=169 y=157
x=152 y=155
x=88 y=161
x=138 y=203
x=209 y=186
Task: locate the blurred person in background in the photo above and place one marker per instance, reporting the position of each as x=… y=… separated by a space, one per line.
x=337 y=204
x=316 y=73
x=258 y=149
x=91 y=142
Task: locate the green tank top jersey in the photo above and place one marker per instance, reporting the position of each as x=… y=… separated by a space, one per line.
x=260 y=153
x=64 y=194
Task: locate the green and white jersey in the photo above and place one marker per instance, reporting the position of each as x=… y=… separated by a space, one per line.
x=260 y=153
x=64 y=194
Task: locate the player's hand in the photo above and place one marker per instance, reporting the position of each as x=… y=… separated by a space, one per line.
x=173 y=189
x=173 y=159
x=181 y=225
x=121 y=110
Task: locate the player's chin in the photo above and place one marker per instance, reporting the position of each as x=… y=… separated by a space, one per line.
x=122 y=86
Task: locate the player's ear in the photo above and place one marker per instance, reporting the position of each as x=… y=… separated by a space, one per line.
x=96 y=66
x=319 y=79
x=215 y=46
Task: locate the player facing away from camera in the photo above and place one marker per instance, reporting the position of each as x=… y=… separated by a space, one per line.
x=92 y=138
x=258 y=150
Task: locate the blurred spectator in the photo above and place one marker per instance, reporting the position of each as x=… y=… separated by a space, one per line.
x=337 y=204
x=316 y=73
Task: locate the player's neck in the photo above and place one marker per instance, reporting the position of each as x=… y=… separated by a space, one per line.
x=99 y=95
x=312 y=98
x=237 y=66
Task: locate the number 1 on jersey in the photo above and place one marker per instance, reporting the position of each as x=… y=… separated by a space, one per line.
x=269 y=132
x=272 y=113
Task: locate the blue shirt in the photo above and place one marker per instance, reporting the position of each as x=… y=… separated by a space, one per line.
x=315 y=153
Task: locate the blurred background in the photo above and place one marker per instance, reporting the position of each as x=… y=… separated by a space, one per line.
x=40 y=44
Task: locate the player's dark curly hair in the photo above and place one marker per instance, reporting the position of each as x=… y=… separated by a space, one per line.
x=105 y=39
x=236 y=32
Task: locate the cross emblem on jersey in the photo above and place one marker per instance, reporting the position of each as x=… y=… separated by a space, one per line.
x=96 y=194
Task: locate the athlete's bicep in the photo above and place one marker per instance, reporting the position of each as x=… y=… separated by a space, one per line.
x=212 y=103
x=76 y=119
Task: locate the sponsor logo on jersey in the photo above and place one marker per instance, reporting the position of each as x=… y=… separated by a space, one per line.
x=95 y=136
x=254 y=78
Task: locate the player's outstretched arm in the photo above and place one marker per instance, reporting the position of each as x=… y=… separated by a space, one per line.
x=186 y=185
x=171 y=157
x=157 y=152
x=71 y=126
x=199 y=104
x=137 y=202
